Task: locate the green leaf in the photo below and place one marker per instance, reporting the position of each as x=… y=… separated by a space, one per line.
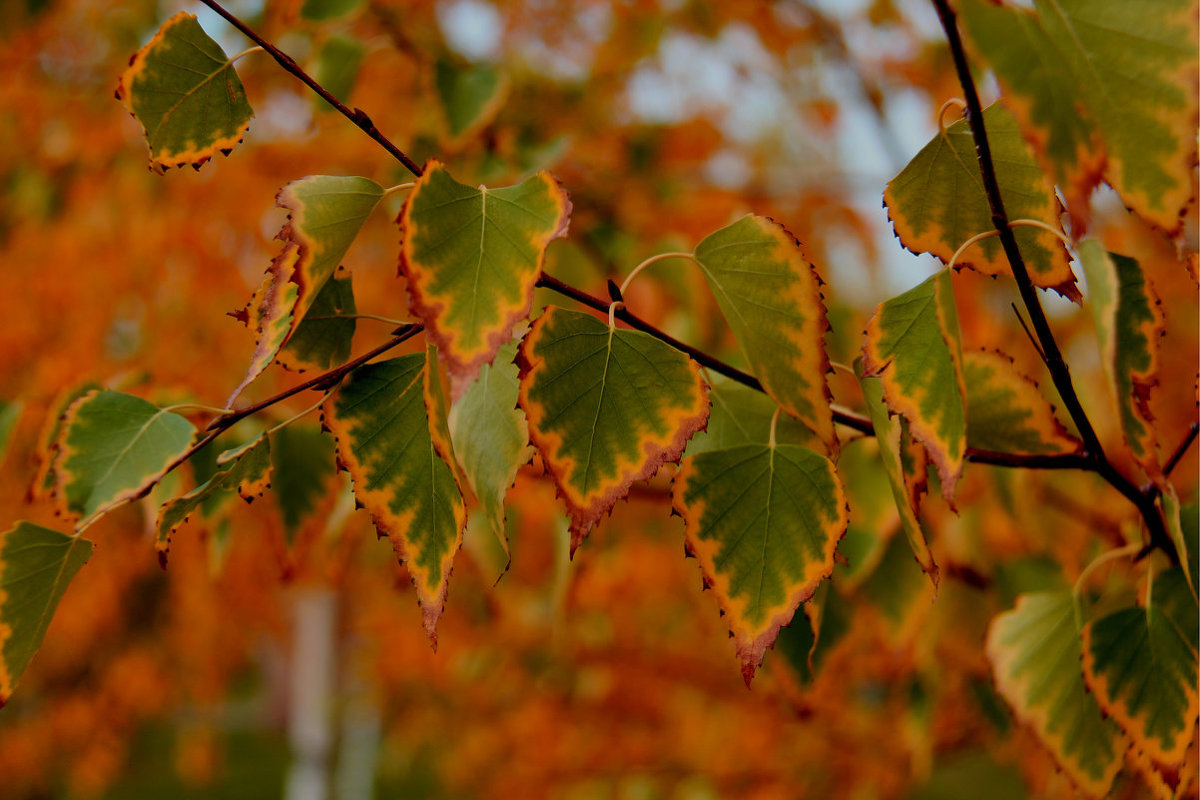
x=888 y=435
x=322 y=339
x=471 y=96
x=1035 y=652
x=1105 y=89
x=771 y=298
x=325 y=214
x=10 y=413
x=1177 y=602
x=302 y=460
x=186 y=94
x=321 y=10
x=1006 y=412
x=1142 y=670
x=606 y=408
x=269 y=313
x=36 y=565
x=874 y=518
x=1173 y=516
x=491 y=436
x=914 y=346
x=741 y=415
x=1129 y=322
x=472 y=258
x=899 y=590
x=763 y=521
x=937 y=202
x=382 y=427
x=245 y=470
x=338 y=63
x=113 y=447
x=44 y=481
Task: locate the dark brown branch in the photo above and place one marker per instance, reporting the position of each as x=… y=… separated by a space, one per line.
x=1182 y=449
x=325 y=380
x=1051 y=354
x=357 y=116
x=855 y=421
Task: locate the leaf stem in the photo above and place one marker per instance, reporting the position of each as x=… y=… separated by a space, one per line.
x=303 y=413
x=399 y=187
x=246 y=52
x=1055 y=363
x=651 y=260
x=1097 y=562
x=357 y=116
x=198 y=406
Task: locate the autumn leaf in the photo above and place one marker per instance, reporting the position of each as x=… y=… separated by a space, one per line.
x=382 y=428
x=471 y=96
x=112 y=448
x=270 y=314
x=323 y=338
x=186 y=94
x=888 y=434
x=1006 y=412
x=338 y=64
x=1129 y=322
x=771 y=298
x=741 y=415
x=1142 y=670
x=763 y=521
x=302 y=460
x=937 y=203
x=245 y=469
x=325 y=214
x=36 y=566
x=10 y=412
x=472 y=258
x=606 y=408
x=1035 y=652
x=491 y=435
x=1105 y=90
x=914 y=346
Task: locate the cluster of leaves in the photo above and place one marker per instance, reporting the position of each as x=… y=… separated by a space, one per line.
x=771 y=474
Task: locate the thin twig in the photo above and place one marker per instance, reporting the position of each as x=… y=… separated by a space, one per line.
x=1052 y=355
x=357 y=116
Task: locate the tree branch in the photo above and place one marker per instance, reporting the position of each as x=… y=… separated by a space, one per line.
x=857 y=422
x=1051 y=354
x=357 y=116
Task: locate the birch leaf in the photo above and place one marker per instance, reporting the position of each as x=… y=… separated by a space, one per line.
x=605 y=408
x=379 y=419
x=491 y=435
x=112 y=448
x=771 y=298
x=270 y=314
x=1006 y=412
x=245 y=470
x=913 y=345
x=741 y=415
x=888 y=435
x=1129 y=322
x=763 y=521
x=1142 y=671
x=1104 y=89
x=472 y=257
x=323 y=338
x=1035 y=652
x=470 y=96
x=36 y=566
x=937 y=202
x=186 y=94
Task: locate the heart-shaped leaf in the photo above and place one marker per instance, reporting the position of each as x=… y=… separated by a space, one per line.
x=186 y=94
x=1006 y=412
x=472 y=257
x=763 y=521
x=606 y=408
x=36 y=565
